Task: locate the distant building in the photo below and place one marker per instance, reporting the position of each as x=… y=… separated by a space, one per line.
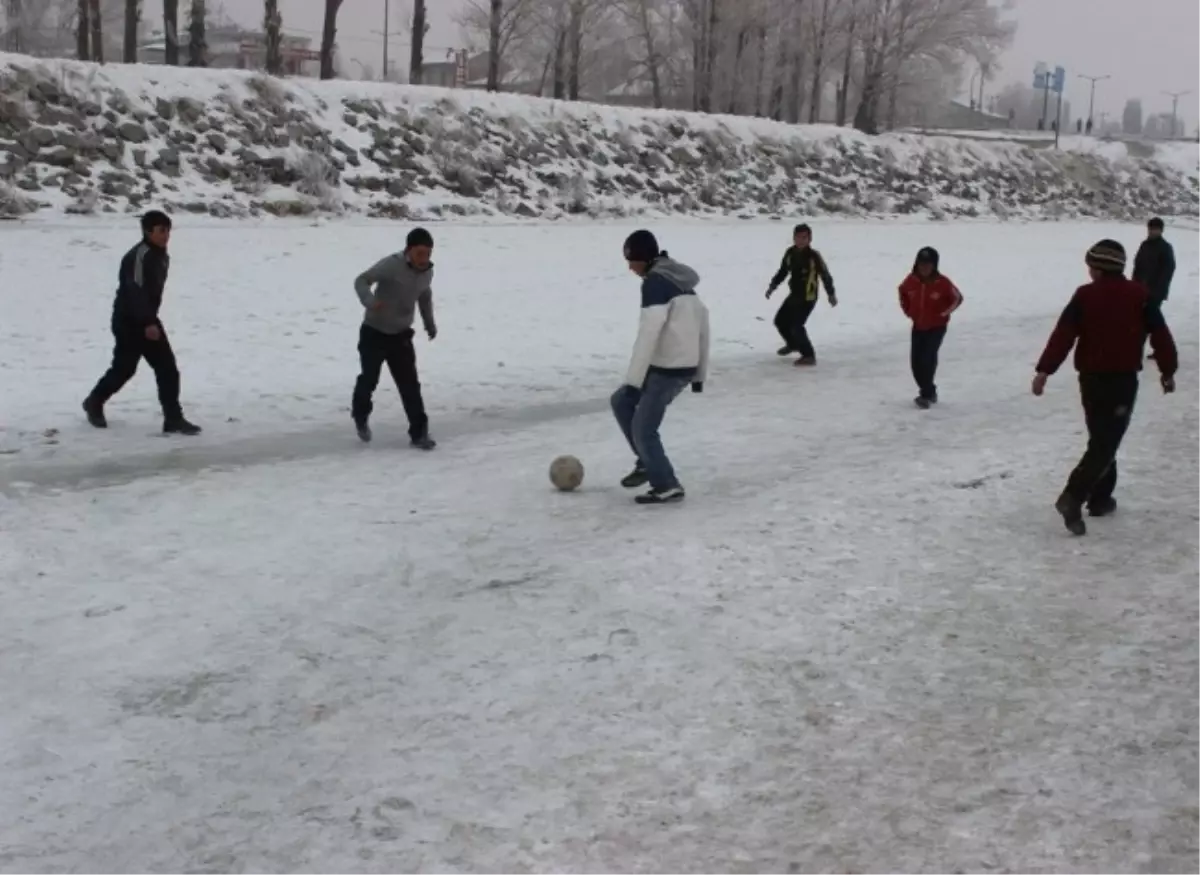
x=233 y=48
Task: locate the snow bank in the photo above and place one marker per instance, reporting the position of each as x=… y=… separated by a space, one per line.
x=82 y=138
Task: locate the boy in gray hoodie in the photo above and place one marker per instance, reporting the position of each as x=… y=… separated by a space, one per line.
x=391 y=291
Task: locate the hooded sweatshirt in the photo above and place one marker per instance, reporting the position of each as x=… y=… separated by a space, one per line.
x=929 y=302
x=399 y=289
x=673 y=329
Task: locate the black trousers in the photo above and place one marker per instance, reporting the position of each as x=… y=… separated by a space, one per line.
x=130 y=346
x=924 y=358
x=1107 y=406
x=375 y=349
x=790 y=321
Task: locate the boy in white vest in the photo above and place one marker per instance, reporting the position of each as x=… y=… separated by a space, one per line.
x=670 y=353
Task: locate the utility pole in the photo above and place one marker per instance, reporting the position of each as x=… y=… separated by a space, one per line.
x=1175 y=95
x=1092 y=98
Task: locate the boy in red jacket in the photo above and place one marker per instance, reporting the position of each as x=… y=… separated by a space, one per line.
x=1107 y=322
x=927 y=298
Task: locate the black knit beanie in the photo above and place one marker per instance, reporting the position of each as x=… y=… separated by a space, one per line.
x=641 y=246
x=927 y=255
x=418 y=237
x=1107 y=256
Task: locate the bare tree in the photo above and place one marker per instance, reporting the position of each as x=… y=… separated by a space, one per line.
x=197 y=41
x=822 y=23
x=15 y=19
x=499 y=24
x=83 y=32
x=640 y=15
x=420 y=27
x=328 y=37
x=171 y=32
x=273 y=32
x=97 y=29
x=133 y=17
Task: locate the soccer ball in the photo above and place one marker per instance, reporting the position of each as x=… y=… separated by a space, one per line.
x=566 y=473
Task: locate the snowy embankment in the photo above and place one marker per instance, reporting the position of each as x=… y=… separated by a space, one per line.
x=82 y=138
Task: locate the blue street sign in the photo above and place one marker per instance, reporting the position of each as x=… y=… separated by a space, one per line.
x=1039 y=81
x=1060 y=79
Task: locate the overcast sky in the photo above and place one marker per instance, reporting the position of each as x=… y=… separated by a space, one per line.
x=1147 y=47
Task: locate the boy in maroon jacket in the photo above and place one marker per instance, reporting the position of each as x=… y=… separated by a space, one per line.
x=927 y=298
x=1106 y=321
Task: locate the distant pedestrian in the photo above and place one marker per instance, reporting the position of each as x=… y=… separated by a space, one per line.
x=804 y=269
x=927 y=297
x=138 y=331
x=671 y=351
x=1154 y=264
x=391 y=291
x=1107 y=322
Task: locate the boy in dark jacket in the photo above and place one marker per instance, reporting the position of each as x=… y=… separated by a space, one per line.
x=1154 y=264
x=927 y=298
x=1106 y=321
x=391 y=292
x=806 y=269
x=138 y=332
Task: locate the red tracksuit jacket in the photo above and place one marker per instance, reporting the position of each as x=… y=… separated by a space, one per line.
x=929 y=303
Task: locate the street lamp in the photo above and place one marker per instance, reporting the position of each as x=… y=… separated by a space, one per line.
x=1092 y=99
x=1175 y=95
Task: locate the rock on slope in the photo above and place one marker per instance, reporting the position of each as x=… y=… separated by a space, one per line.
x=85 y=138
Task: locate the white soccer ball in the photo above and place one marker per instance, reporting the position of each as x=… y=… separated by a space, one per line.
x=566 y=473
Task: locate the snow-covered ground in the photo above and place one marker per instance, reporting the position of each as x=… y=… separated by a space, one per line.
x=864 y=643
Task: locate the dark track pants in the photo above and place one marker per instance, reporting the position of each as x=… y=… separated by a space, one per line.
x=924 y=359
x=1107 y=406
x=375 y=349
x=130 y=346
x=790 y=322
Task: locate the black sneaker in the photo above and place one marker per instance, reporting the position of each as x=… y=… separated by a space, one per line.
x=635 y=478
x=784 y=350
x=94 y=413
x=1102 y=507
x=1072 y=514
x=669 y=495
x=923 y=402
x=423 y=442
x=807 y=361
x=363 y=430
x=179 y=425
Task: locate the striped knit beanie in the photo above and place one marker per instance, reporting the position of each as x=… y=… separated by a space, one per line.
x=1107 y=256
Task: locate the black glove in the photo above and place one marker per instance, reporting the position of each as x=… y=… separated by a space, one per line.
x=697 y=388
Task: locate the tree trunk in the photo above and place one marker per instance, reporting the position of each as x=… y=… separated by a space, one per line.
x=760 y=72
x=651 y=55
x=699 y=41
x=272 y=25
x=82 y=31
x=710 y=53
x=493 y=73
x=814 y=95
x=197 y=41
x=796 y=87
x=736 y=79
x=133 y=15
x=575 y=49
x=329 y=38
x=416 y=64
x=560 y=62
x=843 y=96
x=779 y=69
x=171 y=32
x=97 y=32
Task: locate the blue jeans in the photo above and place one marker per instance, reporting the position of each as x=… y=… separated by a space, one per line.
x=640 y=412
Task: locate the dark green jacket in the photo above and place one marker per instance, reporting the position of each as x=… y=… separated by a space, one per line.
x=806 y=269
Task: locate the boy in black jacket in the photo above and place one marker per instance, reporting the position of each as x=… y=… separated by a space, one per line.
x=138 y=332
x=807 y=268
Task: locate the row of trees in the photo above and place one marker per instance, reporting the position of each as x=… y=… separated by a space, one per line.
x=880 y=62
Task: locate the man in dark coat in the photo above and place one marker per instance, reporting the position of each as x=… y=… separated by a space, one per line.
x=1154 y=264
x=138 y=332
x=1106 y=322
